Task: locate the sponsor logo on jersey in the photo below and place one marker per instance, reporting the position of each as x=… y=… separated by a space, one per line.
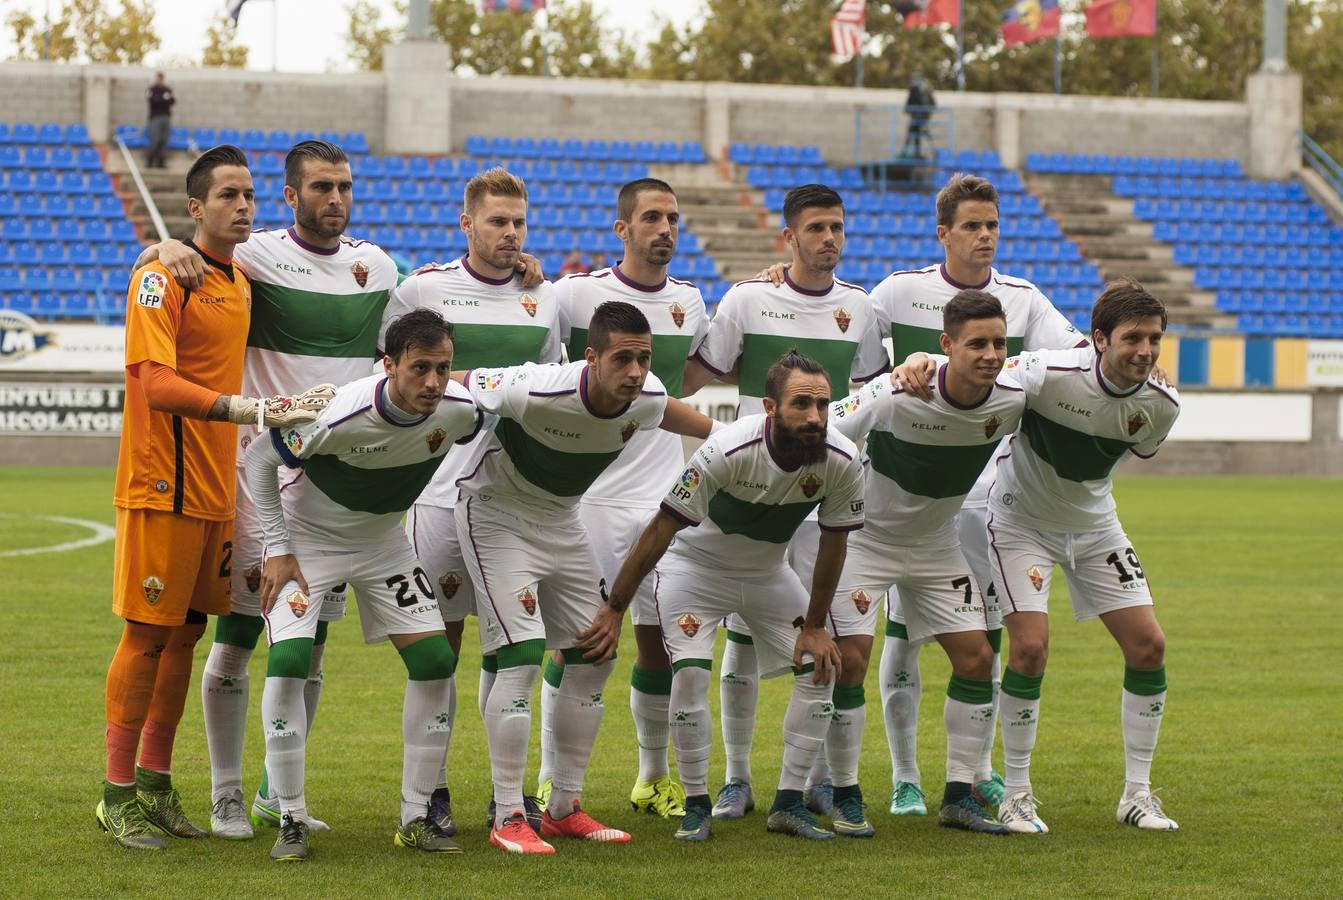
x=842 y=319
x=528 y=601
x=528 y=303
x=627 y=430
x=293 y=440
x=1136 y=422
x=862 y=601
x=359 y=269
x=161 y=486
x=253 y=578
x=489 y=381
x=152 y=288
x=810 y=484
x=991 y=426
x=435 y=439
x=298 y=602
x=19 y=336
x=449 y=584
x=690 y=478
x=677 y=313
x=1037 y=577
x=152 y=586
x=849 y=405
x=690 y=624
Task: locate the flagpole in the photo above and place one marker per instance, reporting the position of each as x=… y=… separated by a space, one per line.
x=1058 y=61
x=960 y=45
x=1156 y=38
x=274 y=35
x=862 y=39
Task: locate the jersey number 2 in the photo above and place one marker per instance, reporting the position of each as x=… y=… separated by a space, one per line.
x=404 y=595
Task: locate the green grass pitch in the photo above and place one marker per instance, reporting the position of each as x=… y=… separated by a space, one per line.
x=1246 y=573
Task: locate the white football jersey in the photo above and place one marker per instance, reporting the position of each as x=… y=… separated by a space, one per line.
x=315 y=312
x=924 y=457
x=361 y=468
x=745 y=507
x=496 y=322
x=548 y=445
x=756 y=323
x=676 y=314
x=1055 y=475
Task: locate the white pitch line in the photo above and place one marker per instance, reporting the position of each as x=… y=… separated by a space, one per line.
x=101 y=534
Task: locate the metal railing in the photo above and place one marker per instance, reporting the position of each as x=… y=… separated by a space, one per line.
x=150 y=205
x=900 y=142
x=1324 y=165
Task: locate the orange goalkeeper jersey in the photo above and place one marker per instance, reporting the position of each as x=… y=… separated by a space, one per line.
x=169 y=462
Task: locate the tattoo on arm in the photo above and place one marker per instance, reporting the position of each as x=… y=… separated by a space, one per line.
x=218 y=412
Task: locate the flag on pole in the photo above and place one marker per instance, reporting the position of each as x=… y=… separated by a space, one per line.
x=234 y=9
x=1030 y=20
x=1121 y=18
x=847 y=27
x=515 y=5
x=919 y=13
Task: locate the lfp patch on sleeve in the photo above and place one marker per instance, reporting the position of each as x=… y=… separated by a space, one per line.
x=152 y=288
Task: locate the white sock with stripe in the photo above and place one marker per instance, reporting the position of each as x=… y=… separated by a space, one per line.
x=508 y=725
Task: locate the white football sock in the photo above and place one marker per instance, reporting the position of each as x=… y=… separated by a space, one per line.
x=966 y=724
x=224 y=692
x=483 y=688
x=508 y=725
x=284 y=724
x=1020 y=718
x=844 y=737
x=650 y=713
x=984 y=770
x=549 y=695
x=452 y=722
x=689 y=724
x=900 y=689
x=578 y=718
x=804 y=728
x=425 y=727
x=738 y=692
x=312 y=690
x=1141 y=717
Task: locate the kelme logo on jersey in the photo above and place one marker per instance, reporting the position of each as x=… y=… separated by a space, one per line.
x=862 y=601
x=1037 y=577
x=528 y=303
x=1136 y=422
x=152 y=288
x=627 y=430
x=690 y=624
x=435 y=439
x=810 y=484
x=359 y=269
x=677 y=313
x=153 y=587
x=253 y=578
x=20 y=336
x=528 y=601
x=449 y=584
x=842 y=319
x=991 y=426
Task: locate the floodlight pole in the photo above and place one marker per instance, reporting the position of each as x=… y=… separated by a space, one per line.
x=417 y=24
x=1275 y=36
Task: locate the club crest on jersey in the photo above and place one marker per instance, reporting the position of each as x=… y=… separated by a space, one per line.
x=810 y=484
x=1136 y=422
x=435 y=439
x=991 y=426
x=360 y=272
x=153 y=586
x=1037 y=577
x=298 y=602
x=677 y=313
x=862 y=601
x=627 y=430
x=690 y=624
x=449 y=584
x=152 y=288
x=528 y=601
x=253 y=578
x=842 y=319
x=528 y=303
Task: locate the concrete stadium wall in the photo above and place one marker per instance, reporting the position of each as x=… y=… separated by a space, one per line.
x=712 y=114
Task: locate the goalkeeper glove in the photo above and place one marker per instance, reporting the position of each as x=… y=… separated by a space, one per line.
x=281 y=411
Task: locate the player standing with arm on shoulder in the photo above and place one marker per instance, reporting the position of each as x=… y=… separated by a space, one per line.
x=1051 y=503
x=175 y=494
x=364 y=460
x=743 y=495
x=825 y=319
x=625 y=497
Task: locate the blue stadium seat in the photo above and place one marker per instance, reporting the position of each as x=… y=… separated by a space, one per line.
x=204 y=138
x=88 y=160
x=229 y=136
x=279 y=141
x=35 y=157
x=501 y=146
x=573 y=149
x=49 y=133
x=62 y=158
x=300 y=136
x=549 y=148
x=178 y=139
x=59 y=206
x=23 y=133
x=93 y=230
x=622 y=151
x=354 y=142
x=477 y=145
x=694 y=153
x=598 y=150
x=394 y=167
x=253 y=140
x=526 y=148
x=741 y=154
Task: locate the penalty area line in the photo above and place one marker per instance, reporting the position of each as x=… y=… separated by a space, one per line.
x=101 y=534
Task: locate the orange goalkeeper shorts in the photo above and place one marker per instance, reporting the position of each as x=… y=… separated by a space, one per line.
x=165 y=564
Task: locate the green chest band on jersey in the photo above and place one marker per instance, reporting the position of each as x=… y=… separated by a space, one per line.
x=309 y=323
x=928 y=470
x=769 y=522
x=760 y=351
x=375 y=491
x=477 y=345
x=1073 y=455
x=554 y=471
